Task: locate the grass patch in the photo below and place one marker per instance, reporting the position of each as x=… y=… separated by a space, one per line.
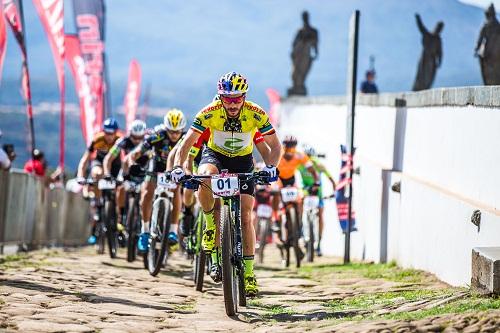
x=389 y=271
x=272 y=310
x=371 y=302
x=24 y=260
x=186 y=307
x=473 y=304
x=378 y=300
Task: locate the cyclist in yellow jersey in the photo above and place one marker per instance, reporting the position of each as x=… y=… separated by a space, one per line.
x=233 y=122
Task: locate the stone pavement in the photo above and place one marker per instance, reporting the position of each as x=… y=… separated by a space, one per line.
x=79 y=291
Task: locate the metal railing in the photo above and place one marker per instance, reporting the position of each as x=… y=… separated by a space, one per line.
x=35 y=215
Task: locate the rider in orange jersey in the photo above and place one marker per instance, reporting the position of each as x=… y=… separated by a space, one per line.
x=289 y=163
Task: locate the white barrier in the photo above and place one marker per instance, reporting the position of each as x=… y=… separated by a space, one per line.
x=442 y=147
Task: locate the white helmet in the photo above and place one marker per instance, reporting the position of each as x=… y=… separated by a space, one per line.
x=138 y=128
x=174 y=120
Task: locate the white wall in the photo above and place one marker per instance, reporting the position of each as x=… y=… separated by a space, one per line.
x=449 y=164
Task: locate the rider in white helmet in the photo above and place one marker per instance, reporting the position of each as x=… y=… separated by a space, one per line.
x=126 y=144
x=161 y=144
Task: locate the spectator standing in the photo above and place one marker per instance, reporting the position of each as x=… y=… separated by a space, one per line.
x=368 y=86
x=37 y=164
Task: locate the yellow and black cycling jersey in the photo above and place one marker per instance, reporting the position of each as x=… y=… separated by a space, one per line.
x=232 y=136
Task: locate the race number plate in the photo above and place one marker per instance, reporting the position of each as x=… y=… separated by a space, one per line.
x=163 y=181
x=106 y=184
x=289 y=194
x=311 y=202
x=264 y=211
x=226 y=185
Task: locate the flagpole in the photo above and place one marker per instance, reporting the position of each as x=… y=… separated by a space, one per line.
x=26 y=76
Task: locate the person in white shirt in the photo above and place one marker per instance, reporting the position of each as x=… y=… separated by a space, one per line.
x=4 y=158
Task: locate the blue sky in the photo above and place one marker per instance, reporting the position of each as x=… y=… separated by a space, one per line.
x=184 y=47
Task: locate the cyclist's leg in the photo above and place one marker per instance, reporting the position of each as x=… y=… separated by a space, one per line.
x=147 y=193
x=209 y=165
x=96 y=173
x=247 y=225
x=320 y=221
x=207 y=203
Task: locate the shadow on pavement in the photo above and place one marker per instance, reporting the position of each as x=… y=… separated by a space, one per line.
x=86 y=297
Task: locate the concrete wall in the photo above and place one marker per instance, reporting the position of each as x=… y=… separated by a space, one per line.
x=38 y=216
x=441 y=145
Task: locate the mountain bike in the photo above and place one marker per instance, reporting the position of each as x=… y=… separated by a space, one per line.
x=107 y=188
x=310 y=218
x=157 y=254
x=290 y=199
x=195 y=251
x=132 y=186
x=227 y=187
x=100 y=227
x=264 y=213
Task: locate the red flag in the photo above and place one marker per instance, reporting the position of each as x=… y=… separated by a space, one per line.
x=13 y=13
x=89 y=20
x=51 y=14
x=90 y=125
x=3 y=41
x=133 y=92
x=274 y=101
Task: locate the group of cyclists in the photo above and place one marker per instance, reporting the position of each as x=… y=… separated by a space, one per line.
x=221 y=139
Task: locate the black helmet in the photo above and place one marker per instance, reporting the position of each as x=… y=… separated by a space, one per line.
x=37 y=154
x=290 y=141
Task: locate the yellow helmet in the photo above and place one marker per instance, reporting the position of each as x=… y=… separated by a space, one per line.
x=174 y=120
x=232 y=83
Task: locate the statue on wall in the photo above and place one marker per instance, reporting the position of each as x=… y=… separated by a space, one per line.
x=304 y=51
x=431 y=57
x=488 y=48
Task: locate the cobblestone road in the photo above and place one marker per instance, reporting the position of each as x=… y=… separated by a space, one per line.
x=78 y=291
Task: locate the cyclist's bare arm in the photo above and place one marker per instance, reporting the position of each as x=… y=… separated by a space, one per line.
x=108 y=160
x=171 y=157
x=264 y=150
x=135 y=154
x=82 y=166
x=188 y=165
x=186 y=144
x=274 y=145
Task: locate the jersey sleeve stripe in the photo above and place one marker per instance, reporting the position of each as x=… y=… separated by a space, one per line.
x=198 y=128
x=267 y=130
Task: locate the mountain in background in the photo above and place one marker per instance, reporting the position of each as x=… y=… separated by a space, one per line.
x=184 y=47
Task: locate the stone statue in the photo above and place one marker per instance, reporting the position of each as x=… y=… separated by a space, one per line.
x=431 y=57
x=488 y=48
x=305 y=50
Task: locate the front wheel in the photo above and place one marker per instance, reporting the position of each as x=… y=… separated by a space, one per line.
x=310 y=242
x=158 y=241
x=229 y=281
x=132 y=226
x=111 y=234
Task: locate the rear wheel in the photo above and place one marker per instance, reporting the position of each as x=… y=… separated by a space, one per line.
x=132 y=221
x=293 y=235
x=200 y=257
x=158 y=241
x=229 y=281
x=263 y=231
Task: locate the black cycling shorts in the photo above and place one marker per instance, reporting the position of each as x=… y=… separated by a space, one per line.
x=155 y=166
x=236 y=164
x=288 y=181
